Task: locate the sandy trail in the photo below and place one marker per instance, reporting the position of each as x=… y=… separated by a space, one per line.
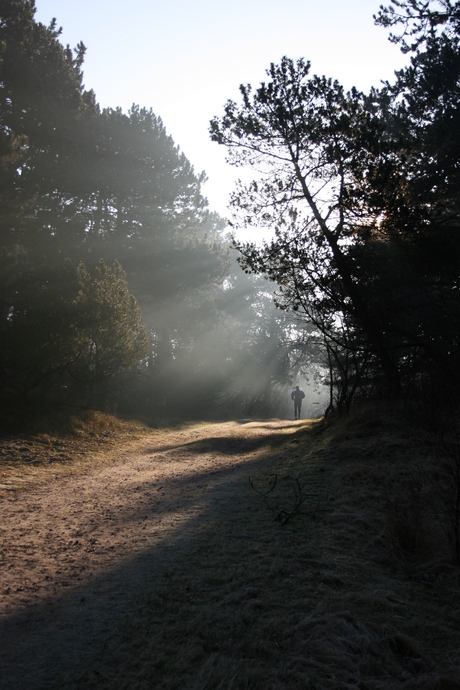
x=92 y=539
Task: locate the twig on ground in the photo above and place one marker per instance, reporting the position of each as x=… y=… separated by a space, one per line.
x=281 y=513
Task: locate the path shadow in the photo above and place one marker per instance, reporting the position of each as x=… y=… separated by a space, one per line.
x=63 y=641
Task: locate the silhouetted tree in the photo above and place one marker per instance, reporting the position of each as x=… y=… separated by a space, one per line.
x=418 y=187
x=311 y=145
x=361 y=194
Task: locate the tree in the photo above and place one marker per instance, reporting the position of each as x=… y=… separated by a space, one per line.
x=81 y=185
x=254 y=345
x=419 y=193
x=421 y=20
x=43 y=110
x=362 y=194
x=143 y=206
x=311 y=146
x=85 y=333
x=42 y=105
x=423 y=111
x=108 y=331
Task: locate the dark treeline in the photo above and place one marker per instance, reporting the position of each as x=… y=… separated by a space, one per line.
x=118 y=287
x=363 y=194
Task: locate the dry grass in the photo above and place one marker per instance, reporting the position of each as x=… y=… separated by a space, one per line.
x=357 y=591
x=60 y=445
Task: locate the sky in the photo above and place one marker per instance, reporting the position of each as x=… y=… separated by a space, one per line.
x=186 y=58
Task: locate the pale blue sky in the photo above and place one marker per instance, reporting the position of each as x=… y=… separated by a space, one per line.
x=185 y=58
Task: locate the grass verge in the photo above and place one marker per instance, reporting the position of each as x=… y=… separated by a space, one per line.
x=59 y=445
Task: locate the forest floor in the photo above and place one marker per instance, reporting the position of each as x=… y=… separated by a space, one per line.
x=135 y=557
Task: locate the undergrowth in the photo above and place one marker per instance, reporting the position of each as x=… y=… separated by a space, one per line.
x=62 y=442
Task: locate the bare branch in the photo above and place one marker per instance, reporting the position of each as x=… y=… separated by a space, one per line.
x=283 y=514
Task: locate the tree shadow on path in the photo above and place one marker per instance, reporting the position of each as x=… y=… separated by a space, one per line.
x=70 y=639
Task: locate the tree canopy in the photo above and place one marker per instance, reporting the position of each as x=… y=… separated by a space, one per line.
x=102 y=219
x=360 y=193
x=84 y=185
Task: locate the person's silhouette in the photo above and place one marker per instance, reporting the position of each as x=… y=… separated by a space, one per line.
x=297 y=396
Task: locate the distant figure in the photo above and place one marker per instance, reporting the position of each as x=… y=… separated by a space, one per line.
x=297 y=396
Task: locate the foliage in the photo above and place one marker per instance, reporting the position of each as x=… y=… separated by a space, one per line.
x=37 y=342
x=420 y=19
x=109 y=331
x=420 y=199
x=85 y=334
x=81 y=185
x=227 y=356
x=255 y=341
x=309 y=143
x=360 y=194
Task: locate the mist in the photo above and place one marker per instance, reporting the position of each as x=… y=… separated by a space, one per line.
x=120 y=290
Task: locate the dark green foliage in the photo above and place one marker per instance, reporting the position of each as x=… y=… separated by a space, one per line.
x=108 y=327
x=42 y=106
x=420 y=200
x=83 y=185
x=80 y=328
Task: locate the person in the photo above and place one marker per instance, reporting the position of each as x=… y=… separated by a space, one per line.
x=297 y=396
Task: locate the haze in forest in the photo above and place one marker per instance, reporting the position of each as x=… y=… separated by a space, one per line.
x=157 y=474
x=122 y=290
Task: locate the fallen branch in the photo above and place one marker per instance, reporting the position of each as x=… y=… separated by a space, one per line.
x=281 y=513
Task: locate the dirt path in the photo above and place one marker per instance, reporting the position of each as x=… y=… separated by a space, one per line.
x=162 y=569
x=91 y=540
